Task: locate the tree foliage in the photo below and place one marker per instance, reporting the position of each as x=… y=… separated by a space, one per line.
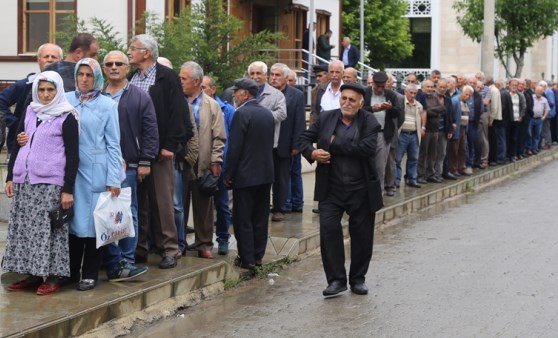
x=386 y=32
x=204 y=33
x=518 y=25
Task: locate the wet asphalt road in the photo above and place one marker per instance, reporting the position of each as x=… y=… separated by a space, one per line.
x=486 y=268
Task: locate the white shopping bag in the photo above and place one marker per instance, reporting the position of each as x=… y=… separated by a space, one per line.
x=113 y=217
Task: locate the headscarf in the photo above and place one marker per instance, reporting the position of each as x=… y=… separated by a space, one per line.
x=58 y=105
x=98 y=80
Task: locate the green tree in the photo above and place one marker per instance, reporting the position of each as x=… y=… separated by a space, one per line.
x=518 y=25
x=103 y=31
x=386 y=32
x=204 y=33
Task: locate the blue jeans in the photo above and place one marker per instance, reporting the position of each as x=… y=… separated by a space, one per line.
x=178 y=202
x=472 y=131
x=295 y=194
x=408 y=143
x=126 y=247
x=223 y=222
x=535 y=140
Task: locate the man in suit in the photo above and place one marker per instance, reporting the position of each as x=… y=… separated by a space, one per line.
x=155 y=194
x=383 y=104
x=346 y=181
x=324 y=47
x=349 y=55
x=211 y=140
x=249 y=172
x=291 y=128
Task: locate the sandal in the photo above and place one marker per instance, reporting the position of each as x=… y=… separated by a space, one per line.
x=86 y=284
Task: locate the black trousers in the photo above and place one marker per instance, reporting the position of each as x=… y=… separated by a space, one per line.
x=251 y=221
x=282 y=171
x=83 y=249
x=361 y=230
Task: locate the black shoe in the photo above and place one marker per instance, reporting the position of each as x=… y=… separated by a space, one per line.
x=334 y=288
x=68 y=280
x=412 y=184
x=434 y=179
x=297 y=210
x=421 y=180
x=316 y=211
x=449 y=176
x=168 y=262
x=86 y=284
x=189 y=230
x=252 y=267
x=359 y=289
x=390 y=192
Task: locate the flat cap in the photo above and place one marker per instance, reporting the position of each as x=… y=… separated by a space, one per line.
x=379 y=77
x=247 y=84
x=320 y=68
x=357 y=87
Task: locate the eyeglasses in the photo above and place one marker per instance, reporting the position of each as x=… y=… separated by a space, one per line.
x=117 y=63
x=133 y=48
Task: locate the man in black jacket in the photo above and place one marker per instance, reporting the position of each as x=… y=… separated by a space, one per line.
x=346 y=181
x=175 y=129
x=249 y=172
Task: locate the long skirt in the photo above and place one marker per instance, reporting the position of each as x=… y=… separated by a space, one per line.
x=32 y=247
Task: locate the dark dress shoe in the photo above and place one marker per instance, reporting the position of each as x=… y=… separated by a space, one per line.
x=412 y=184
x=168 y=262
x=238 y=262
x=359 y=289
x=86 y=284
x=297 y=210
x=334 y=288
x=449 y=176
x=434 y=180
x=190 y=230
x=258 y=262
x=421 y=181
x=205 y=253
x=316 y=211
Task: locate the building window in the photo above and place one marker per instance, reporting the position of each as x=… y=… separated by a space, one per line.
x=40 y=21
x=174 y=7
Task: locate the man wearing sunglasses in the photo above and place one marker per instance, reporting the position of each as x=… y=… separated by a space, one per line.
x=139 y=143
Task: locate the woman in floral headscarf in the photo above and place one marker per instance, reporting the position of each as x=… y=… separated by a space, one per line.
x=100 y=166
x=41 y=177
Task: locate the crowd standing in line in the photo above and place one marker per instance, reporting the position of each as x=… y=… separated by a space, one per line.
x=160 y=132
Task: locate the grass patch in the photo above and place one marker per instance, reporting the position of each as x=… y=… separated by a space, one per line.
x=264 y=270
x=469 y=186
x=231 y=283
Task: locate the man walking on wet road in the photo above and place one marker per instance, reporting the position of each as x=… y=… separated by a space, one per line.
x=346 y=181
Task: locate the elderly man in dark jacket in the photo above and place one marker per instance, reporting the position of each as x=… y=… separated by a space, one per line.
x=346 y=181
x=139 y=143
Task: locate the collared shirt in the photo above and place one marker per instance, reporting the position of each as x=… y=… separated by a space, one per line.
x=381 y=114
x=540 y=105
x=196 y=103
x=116 y=97
x=486 y=94
x=345 y=57
x=330 y=100
x=515 y=105
x=147 y=80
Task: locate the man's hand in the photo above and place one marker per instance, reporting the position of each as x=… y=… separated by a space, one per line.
x=165 y=155
x=215 y=169
x=143 y=172
x=66 y=200
x=228 y=183
x=321 y=156
x=295 y=152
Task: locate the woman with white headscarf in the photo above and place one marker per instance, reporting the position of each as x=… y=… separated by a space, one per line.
x=99 y=170
x=41 y=177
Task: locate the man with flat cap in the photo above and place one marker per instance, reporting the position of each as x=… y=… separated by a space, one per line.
x=346 y=181
x=249 y=172
x=382 y=102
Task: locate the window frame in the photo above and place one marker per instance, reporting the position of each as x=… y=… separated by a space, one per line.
x=23 y=12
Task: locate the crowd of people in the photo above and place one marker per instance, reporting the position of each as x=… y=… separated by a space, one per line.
x=164 y=134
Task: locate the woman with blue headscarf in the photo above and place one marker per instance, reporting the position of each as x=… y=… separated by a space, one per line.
x=41 y=175
x=100 y=165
